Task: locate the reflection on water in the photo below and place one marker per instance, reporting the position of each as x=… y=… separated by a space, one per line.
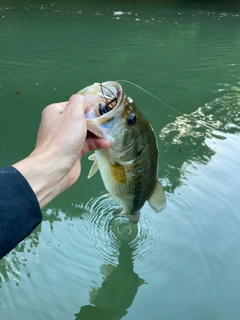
x=120 y=283
x=117 y=291
x=12 y=265
x=190 y=135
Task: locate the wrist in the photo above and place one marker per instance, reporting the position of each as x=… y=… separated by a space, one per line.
x=45 y=175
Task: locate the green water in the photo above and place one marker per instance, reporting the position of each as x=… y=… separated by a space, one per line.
x=80 y=263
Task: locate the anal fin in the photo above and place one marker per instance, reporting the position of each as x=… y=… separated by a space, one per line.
x=157 y=200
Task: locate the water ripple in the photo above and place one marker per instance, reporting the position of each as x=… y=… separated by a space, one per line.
x=105 y=234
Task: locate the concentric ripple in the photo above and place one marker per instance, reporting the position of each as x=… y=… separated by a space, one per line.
x=104 y=233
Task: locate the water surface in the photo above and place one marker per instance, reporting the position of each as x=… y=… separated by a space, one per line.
x=80 y=263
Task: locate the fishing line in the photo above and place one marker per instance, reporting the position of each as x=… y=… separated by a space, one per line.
x=167 y=105
x=197 y=121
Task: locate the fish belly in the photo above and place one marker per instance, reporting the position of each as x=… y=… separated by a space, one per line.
x=127 y=184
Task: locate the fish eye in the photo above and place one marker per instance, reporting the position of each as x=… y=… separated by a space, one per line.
x=132 y=119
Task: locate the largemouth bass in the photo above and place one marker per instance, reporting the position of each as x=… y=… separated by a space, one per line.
x=129 y=167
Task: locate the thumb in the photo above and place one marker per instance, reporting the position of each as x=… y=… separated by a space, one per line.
x=77 y=103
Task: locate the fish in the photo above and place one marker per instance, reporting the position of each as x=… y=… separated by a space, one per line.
x=129 y=167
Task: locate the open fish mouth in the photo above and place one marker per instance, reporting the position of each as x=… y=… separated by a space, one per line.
x=102 y=98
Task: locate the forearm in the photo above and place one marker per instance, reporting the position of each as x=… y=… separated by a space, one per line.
x=20 y=212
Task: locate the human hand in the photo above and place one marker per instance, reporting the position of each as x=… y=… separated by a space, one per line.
x=63 y=132
x=62 y=140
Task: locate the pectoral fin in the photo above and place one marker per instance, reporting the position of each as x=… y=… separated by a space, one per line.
x=157 y=200
x=94 y=167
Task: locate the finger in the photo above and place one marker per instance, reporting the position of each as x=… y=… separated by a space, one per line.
x=57 y=106
x=95 y=144
x=62 y=105
x=78 y=102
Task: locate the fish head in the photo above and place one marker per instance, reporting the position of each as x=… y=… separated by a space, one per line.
x=113 y=116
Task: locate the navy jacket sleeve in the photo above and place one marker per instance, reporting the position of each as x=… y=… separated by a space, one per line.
x=19 y=209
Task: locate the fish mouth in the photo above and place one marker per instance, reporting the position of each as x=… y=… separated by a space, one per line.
x=104 y=100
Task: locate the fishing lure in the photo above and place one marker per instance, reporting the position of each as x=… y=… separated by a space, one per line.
x=109 y=104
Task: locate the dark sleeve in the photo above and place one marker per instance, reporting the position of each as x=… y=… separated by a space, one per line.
x=19 y=209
